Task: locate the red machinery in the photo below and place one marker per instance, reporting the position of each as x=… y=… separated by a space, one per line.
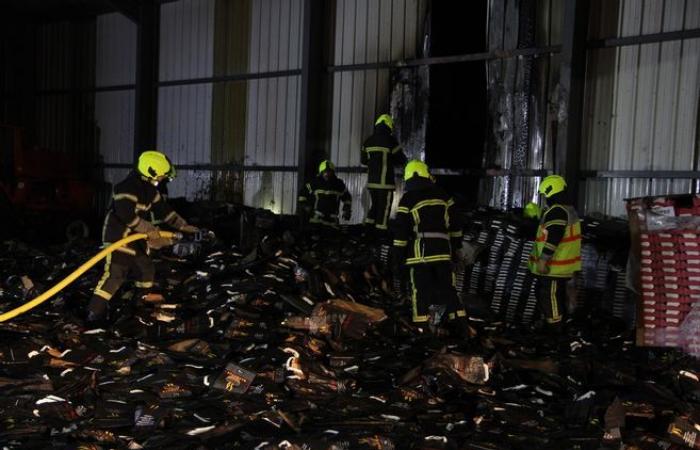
x=39 y=182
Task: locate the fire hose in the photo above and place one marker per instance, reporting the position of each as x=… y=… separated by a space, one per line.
x=78 y=272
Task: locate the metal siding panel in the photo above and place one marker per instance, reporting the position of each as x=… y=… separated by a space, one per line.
x=186 y=39
x=254 y=54
x=348 y=35
x=667 y=99
x=184 y=124
x=360 y=32
x=115 y=50
x=114 y=117
x=385 y=21
x=275 y=191
x=191 y=184
x=397 y=29
x=411 y=40
x=272 y=122
x=372 y=31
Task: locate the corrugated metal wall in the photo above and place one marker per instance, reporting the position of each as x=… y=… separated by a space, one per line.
x=642 y=105
x=273 y=104
x=115 y=65
x=185 y=111
x=522 y=99
x=64 y=61
x=367 y=31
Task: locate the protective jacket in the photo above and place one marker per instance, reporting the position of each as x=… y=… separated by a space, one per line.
x=558 y=240
x=323 y=198
x=133 y=200
x=380 y=153
x=427 y=226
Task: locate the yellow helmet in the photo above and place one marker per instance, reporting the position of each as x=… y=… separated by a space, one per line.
x=531 y=211
x=415 y=167
x=386 y=120
x=551 y=185
x=325 y=165
x=172 y=173
x=153 y=164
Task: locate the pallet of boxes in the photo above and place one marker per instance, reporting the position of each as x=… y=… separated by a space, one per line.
x=665 y=234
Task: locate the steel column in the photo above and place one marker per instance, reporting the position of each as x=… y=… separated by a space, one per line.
x=146 y=114
x=567 y=153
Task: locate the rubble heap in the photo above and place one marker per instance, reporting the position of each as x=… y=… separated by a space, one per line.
x=300 y=344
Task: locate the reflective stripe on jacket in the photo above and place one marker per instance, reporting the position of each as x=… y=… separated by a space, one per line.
x=566 y=259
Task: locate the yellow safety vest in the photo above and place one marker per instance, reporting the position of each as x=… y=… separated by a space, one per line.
x=567 y=257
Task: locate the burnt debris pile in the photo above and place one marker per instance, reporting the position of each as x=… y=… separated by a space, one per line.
x=298 y=342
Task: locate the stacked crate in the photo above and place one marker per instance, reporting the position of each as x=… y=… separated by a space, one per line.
x=670 y=283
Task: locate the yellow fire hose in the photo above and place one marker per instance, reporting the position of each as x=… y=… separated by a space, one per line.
x=78 y=272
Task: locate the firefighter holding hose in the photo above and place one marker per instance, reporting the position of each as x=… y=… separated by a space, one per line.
x=135 y=200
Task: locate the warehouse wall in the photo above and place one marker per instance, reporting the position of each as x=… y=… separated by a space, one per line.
x=185 y=111
x=115 y=67
x=367 y=31
x=642 y=105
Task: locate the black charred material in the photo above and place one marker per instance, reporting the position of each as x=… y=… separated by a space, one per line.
x=298 y=342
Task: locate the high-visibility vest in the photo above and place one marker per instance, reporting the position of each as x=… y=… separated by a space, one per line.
x=567 y=257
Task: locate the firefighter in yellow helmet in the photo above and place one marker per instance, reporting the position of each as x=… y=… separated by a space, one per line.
x=381 y=153
x=428 y=236
x=556 y=254
x=133 y=201
x=320 y=198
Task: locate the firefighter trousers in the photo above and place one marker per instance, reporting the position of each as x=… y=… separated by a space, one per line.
x=434 y=284
x=551 y=298
x=119 y=266
x=379 y=208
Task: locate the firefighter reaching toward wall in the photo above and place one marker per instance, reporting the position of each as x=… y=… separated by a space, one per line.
x=381 y=153
x=133 y=200
x=320 y=198
x=427 y=240
x=556 y=255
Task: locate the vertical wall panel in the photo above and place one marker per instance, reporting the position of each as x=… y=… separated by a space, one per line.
x=186 y=39
x=114 y=116
x=653 y=116
x=115 y=64
x=184 y=123
x=115 y=50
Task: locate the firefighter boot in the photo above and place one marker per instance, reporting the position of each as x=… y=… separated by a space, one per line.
x=98 y=310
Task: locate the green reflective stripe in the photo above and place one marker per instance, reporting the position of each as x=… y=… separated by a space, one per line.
x=326 y=192
x=561 y=223
x=385 y=164
x=456 y=234
x=318 y=220
x=402 y=209
x=424 y=203
x=566 y=259
x=395 y=149
x=387 y=210
x=399 y=243
x=302 y=199
x=129 y=197
x=414 y=300
x=376 y=149
x=428 y=259
x=380 y=186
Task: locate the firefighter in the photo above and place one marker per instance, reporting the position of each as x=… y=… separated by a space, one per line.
x=319 y=199
x=380 y=153
x=132 y=201
x=427 y=240
x=556 y=255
